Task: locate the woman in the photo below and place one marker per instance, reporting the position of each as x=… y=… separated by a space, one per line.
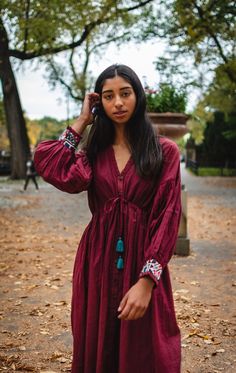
x=123 y=317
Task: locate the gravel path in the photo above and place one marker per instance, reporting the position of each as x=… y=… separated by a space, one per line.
x=39 y=234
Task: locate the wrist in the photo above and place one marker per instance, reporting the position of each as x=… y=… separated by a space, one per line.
x=147 y=282
x=79 y=125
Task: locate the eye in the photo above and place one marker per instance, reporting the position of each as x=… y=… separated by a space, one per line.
x=126 y=93
x=108 y=97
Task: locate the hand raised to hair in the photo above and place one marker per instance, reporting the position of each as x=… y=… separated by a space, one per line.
x=90 y=101
x=86 y=116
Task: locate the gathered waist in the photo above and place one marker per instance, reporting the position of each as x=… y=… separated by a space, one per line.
x=125 y=207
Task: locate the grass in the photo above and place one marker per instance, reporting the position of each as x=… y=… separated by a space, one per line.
x=214 y=171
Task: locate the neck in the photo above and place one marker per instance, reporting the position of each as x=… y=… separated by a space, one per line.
x=120 y=135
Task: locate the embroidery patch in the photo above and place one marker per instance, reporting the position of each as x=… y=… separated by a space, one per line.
x=153 y=267
x=70 y=139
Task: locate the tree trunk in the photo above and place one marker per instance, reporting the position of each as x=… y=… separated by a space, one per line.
x=14 y=115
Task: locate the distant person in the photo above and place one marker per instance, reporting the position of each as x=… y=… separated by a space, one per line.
x=30 y=174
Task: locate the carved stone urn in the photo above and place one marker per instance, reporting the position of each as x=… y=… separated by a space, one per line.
x=172 y=125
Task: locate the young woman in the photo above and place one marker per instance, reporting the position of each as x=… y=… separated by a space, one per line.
x=123 y=317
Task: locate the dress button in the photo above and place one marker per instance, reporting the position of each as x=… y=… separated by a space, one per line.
x=120 y=177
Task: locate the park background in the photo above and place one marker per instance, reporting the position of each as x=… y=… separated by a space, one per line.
x=184 y=54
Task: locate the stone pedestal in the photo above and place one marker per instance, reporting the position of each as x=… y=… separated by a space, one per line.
x=183 y=242
x=173 y=126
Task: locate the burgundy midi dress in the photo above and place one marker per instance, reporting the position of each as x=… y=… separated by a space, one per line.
x=145 y=214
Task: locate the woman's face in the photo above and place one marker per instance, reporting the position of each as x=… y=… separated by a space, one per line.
x=118 y=100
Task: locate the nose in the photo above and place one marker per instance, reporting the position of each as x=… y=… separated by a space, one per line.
x=118 y=101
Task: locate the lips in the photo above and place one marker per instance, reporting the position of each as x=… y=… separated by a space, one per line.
x=120 y=113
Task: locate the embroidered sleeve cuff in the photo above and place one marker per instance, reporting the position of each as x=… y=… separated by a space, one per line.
x=70 y=138
x=152 y=269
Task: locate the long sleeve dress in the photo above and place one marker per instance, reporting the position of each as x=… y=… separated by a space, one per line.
x=143 y=213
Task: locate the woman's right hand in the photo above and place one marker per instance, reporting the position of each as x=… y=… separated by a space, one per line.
x=86 y=116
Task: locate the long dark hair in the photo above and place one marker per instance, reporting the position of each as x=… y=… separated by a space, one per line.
x=144 y=144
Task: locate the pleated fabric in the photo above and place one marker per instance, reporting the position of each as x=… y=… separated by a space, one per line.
x=147 y=214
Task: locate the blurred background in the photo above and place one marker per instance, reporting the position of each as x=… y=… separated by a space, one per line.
x=51 y=53
x=183 y=52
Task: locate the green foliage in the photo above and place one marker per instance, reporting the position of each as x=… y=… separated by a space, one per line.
x=181 y=142
x=230 y=134
x=46 y=128
x=55 y=23
x=205 y=27
x=79 y=28
x=221 y=94
x=216 y=148
x=215 y=171
x=200 y=38
x=198 y=121
x=167 y=99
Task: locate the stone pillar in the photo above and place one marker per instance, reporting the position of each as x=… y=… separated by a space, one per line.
x=183 y=242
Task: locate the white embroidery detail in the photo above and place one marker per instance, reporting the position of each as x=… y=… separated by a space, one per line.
x=70 y=139
x=153 y=267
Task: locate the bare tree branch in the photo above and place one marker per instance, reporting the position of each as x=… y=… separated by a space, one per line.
x=216 y=41
x=96 y=46
x=140 y=5
x=87 y=54
x=210 y=32
x=62 y=81
x=72 y=65
x=23 y=55
x=44 y=52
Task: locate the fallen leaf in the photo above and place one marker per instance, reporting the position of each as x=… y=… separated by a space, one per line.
x=221 y=350
x=61 y=303
x=56 y=355
x=62 y=360
x=22 y=348
x=182 y=291
x=54 y=287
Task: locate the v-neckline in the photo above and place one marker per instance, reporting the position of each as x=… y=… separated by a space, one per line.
x=124 y=170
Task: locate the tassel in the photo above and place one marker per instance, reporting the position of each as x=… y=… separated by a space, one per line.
x=120 y=246
x=120 y=263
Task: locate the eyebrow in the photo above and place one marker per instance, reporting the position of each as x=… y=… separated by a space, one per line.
x=110 y=90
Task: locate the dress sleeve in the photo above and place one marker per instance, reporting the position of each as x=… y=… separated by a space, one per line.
x=165 y=216
x=59 y=165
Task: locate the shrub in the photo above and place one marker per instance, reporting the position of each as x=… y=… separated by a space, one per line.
x=167 y=99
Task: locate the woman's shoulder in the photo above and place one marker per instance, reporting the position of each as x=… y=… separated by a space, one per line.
x=169 y=148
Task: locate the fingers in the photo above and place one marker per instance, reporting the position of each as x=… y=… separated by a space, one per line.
x=124 y=314
x=91 y=99
x=123 y=303
x=132 y=311
x=135 y=302
x=136 y=313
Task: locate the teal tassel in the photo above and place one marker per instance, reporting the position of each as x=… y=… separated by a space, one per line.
x=120 y=246
x=120 y=263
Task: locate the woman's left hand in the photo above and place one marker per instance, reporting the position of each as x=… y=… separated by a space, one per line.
x=135 y=302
